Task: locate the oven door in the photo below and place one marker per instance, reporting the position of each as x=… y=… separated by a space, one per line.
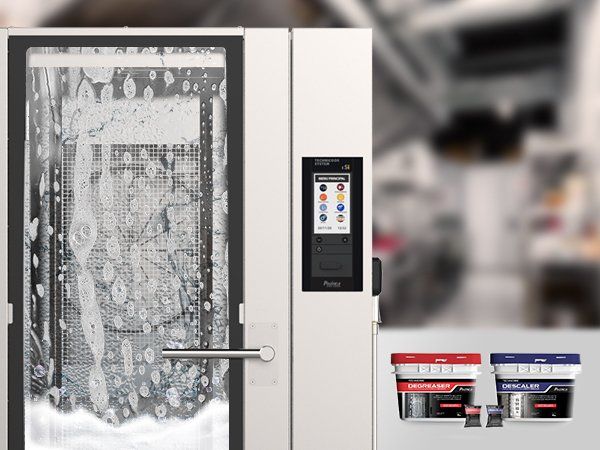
x=125 y=241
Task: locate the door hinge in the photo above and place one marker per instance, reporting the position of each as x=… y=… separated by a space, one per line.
x=241 y=314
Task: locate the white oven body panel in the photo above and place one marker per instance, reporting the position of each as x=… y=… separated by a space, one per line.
x=332 y=331
x=267 y=253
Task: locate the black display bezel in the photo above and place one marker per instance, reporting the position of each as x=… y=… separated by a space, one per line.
x=18 y=47
x=333 y=165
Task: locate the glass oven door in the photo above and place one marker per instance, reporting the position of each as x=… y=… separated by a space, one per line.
x=125 y=154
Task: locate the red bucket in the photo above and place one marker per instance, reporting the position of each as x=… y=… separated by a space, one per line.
x=435 y=386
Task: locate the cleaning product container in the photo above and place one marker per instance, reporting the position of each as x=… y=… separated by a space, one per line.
x=536 y=386
x=435 y=386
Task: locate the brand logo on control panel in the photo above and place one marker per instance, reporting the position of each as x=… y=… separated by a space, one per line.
x=332 y=284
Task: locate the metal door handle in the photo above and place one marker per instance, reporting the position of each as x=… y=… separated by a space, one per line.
x=265 y=353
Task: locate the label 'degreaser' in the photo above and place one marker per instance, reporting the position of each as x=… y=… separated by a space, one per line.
x=422 y=399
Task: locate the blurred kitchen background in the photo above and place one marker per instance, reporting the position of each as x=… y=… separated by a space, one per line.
x=486 y=144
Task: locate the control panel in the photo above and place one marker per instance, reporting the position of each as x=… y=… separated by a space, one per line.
x=332 y=224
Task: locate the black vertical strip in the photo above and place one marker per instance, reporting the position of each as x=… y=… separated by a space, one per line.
x=235 y=173
x=307 y=222
x=16 y=166
x=18 y=46
x=357 y=221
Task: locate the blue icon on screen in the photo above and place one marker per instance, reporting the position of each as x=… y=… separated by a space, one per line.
x=323 y=217
x=323 y=207
x=340 y=207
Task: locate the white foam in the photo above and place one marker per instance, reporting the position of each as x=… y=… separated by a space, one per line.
x=48 y=428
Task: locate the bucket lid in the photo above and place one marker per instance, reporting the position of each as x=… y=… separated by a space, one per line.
x=436 y=358
x=535 y=358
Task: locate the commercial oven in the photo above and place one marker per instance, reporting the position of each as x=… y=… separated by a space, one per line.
x=186 y=239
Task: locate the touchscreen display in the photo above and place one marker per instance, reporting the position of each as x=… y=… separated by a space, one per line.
x=331 y=203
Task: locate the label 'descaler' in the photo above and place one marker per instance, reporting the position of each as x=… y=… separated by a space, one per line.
x=536 y=399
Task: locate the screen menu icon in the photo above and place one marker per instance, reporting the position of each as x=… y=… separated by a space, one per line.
x=332 y=193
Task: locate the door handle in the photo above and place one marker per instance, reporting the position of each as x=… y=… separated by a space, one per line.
x=265 y=353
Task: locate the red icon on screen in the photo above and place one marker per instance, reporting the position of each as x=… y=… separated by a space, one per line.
x=323 y=197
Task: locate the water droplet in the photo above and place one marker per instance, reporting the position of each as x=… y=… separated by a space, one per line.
x=193 y=371
x=144 y=391
x=133 y=205
x=119 y=291
x=110 y=220
x=85 y=94
x=39 y=371
x=149 y=355
x=129 y=219
x=148 y=93
x=161 y=411
x=133 y=400
x=175 y=283
x=126 y=350
x=112 y=247
x=108 y=271
x=110 y=417
x=33 y=229
x=204 y=380
x=151 y=169
x=129 y=87
x=173 y=397
x=169 y=79
x=167 y=366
